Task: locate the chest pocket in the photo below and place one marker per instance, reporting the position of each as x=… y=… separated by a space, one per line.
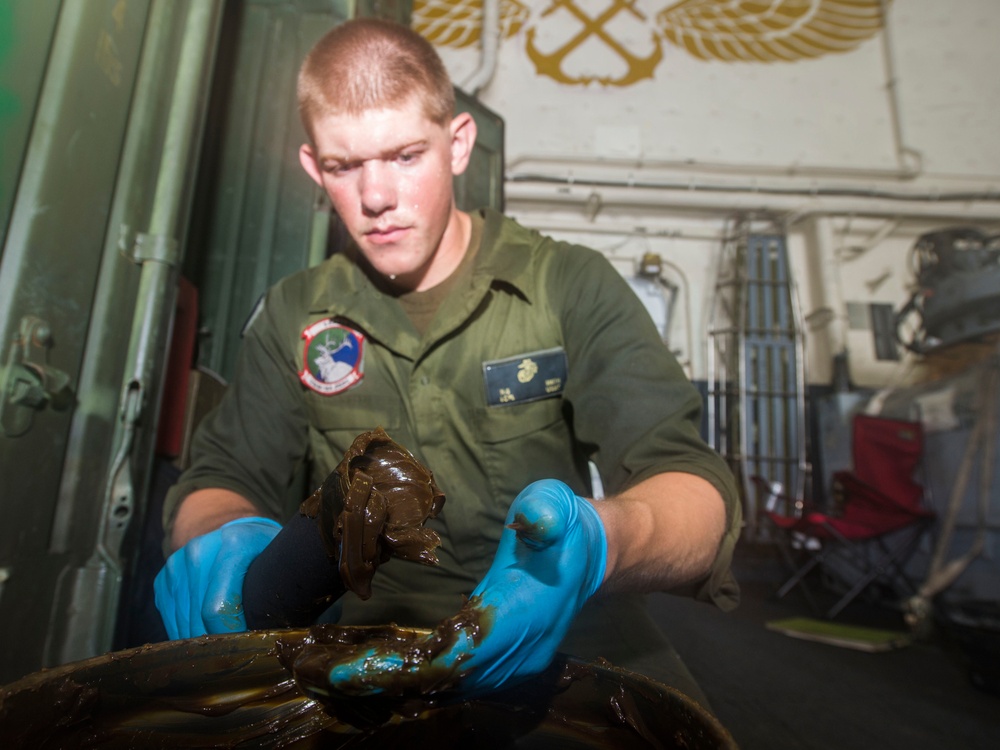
x=355 y=411
x=524 y=442
x=338 y=420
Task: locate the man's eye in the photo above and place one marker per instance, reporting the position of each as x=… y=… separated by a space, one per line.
x=337 y=168
x=408 y=157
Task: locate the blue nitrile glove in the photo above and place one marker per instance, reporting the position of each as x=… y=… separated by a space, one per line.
x=200 y=589
x=545 y=568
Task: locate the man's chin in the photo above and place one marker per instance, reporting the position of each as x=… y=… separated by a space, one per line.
x=391 y=271
x=395 y=273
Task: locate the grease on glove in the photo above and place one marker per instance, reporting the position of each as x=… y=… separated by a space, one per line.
x=551 y=559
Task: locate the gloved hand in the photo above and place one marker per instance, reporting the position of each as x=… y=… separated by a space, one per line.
x=200 y=589
x=551 y=559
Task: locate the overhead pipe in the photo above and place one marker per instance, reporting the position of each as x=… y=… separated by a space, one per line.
x=533 y=191
x=489 y=40
x=909 y=159
x=616 y=229
x=693 y=166
x=690 y=185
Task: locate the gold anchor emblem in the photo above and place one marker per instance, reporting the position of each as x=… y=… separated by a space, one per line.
x=735 y=31
x=552 y=64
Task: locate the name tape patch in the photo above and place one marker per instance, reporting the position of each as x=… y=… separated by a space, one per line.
x=526 y=377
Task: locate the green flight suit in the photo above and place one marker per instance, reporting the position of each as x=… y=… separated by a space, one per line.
x=544 y=361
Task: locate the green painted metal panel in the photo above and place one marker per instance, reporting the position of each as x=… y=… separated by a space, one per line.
x=52 y=253
x=255 y=209
x=26 y=29
x=101 y=200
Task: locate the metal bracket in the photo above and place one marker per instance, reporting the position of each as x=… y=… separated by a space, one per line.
x=141 y=247
x=29 y=384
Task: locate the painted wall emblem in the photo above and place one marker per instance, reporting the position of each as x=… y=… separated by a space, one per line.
x=332 y=357
x=620 y=42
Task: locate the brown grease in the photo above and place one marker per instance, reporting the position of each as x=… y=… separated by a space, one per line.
x=232 y=691
x=373 y=506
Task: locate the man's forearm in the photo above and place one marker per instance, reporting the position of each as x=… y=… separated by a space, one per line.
x=662 y=533
x=206 y=510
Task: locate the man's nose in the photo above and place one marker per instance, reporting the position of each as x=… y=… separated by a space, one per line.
x=378 y=192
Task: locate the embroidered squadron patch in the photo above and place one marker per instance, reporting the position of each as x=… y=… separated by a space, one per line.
x=332 y=357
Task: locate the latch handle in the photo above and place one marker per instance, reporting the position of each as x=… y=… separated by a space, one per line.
x=30 y=383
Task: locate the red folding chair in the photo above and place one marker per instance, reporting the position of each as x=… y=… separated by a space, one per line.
x=877 y=520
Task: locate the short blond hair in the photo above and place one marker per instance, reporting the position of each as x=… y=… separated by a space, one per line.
x=370 y=63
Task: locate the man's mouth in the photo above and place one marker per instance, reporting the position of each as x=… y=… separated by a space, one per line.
x=385 y=235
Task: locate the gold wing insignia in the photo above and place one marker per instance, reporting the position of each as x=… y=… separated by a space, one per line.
x=457 y=23
x=769 y=30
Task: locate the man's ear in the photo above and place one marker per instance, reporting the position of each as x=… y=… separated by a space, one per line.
x=307 y=158
x=463 y=138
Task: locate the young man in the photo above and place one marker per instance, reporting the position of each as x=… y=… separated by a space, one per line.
x=502 y=359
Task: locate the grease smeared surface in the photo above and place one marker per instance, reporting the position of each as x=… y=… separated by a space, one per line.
x=233 y=691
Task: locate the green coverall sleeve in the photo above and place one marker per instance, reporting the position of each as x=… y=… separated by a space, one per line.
x=632 y=401
x=254 y=440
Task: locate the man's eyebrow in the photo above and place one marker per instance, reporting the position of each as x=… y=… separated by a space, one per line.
x=391 y=153
x=321 y=157
x=388 y=153
x=414 y=144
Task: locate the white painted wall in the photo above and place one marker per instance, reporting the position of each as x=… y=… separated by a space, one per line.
x=663 y=150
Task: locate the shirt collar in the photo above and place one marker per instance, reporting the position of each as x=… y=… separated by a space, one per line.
x=505 y=252
x=503 y=256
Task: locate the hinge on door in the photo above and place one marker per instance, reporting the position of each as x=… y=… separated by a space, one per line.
x=29 y=383
x=142 y=246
